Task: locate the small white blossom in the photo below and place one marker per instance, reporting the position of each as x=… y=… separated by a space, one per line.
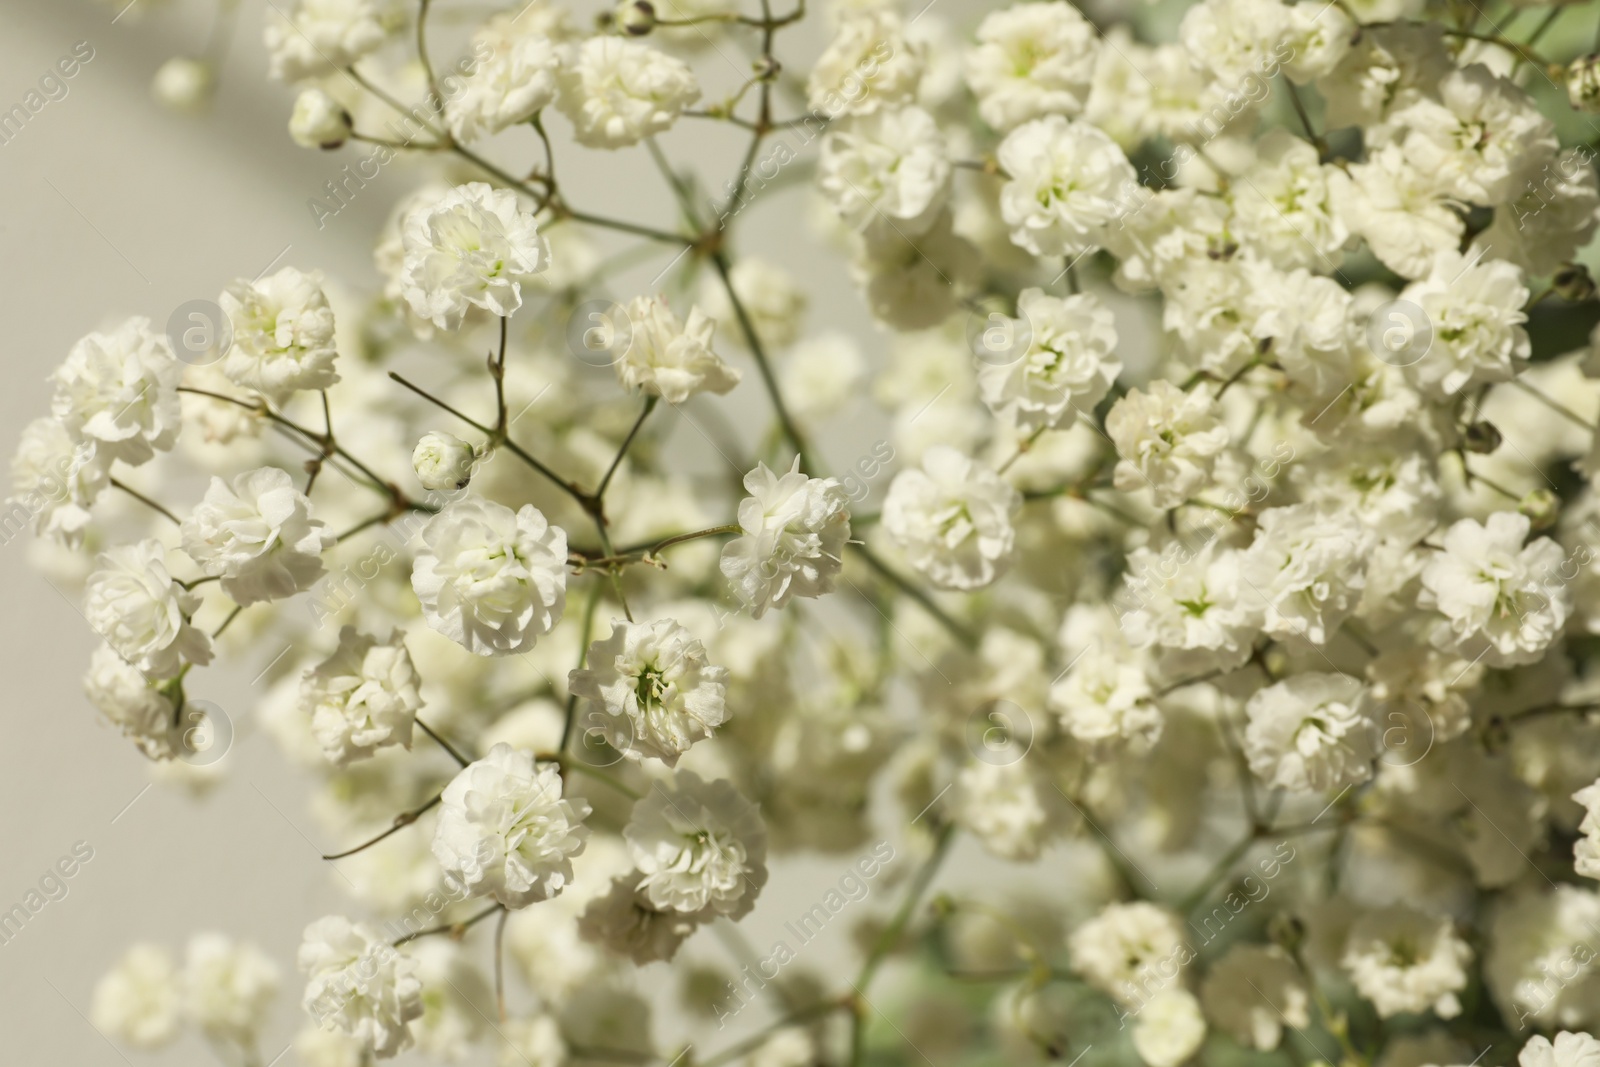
x=656 y=689
x=1032 y=60
x=795 y=529
x=1500 y=599
x=618 y=92
x=283 y=338
x=139 y=1001
x=319 y=121
x=120 y=390
x=1586 y=851
x=1406 y=961
x=1170 y=1028
x=56 y=478
x=1568 y=1050
x=228 y=987
x=362 y=697
x=472 y=247
x=143 y=613
x=1475 y=313
x=1105 y=700
x=1306 y=569
x=1069 y=182
x=360 y=985
x=1167 y=441
x=506 y=832
x=1128 y=948
x=868 y=65
x=1253 y=992
x=625 y=921
x=514 y=80
x=669 y=358
x=321 y=36
x=701 y=847
x=491 y=579
x=1311 y=731
x=443 y=461
x=132 y=703
x=258 y=536
x=888 y=170
x=1067 y=367
x=953 y=519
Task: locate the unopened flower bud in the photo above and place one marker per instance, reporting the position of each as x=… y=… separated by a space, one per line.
x=1481 y=437
x=1542 y=507
x=1583 y=83
x=183 y=84
x=1286 y=930
x=635 y=17
x=443 y=461
x=1573 y=283
x=319 y=121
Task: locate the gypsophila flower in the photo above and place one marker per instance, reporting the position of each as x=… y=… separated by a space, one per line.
x=700 y=846
x=1475 y=313
x=132 y=703
x=1032 y=60
x=362 y=697
x=1069 y=183
x=1130 y=951
x=1105 y=700
x=794 y=532
x=1170 y=1028
x=1167 y=441
x=887 y=170
x=1192 y=611
x=1253 y=992
x=258 y=536
x=360 y=985
x=1066 y=369
x=282 y=334
x=56 y=478
x=654 y=689
x=228 y=987
x=618 y=92
x=472 y=247
x=443 y=461
x=505 y=831
x=868 y=65
x=320 y=36
x=953 y=519
x=491 y=579
x=1586 y=850
x=625 y=921
x=1568 y=1050
x=514 y=80
x=319 y=121
x=120 y=390
x=668 y=358
x=1404 y=960
x=143 y=613
x=1501 y=600
x=1306 y=570
x=139 y=1001
x=1311 y=731
x=1007 y=806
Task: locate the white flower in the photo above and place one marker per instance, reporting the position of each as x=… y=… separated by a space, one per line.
x=1008 y=807
x=1068 y=183
x=953 y=519
x=1502 y=600
x=120 y=390
x=1583 y=84
x=618 y=92
x=1568 y=1050
x=1190 y=608
x=134 y=603
x=283 y=337
x=138 y=1002
x=506 y=832
x=1105 y=700
x=887 y=170
x=321 y=36
x=1311 y=731
x=795 y=529
x=319 y=121
x=360 y=984
x=625 y=921
x=1031 y=60
x=1480 y=139
x=532 y=1042
x=184 y=85
x=1406 y=961
x=869 y=64
x=362 y=697
x=1253 y=992
x=1170 y=1028
x=472 y=247
x=228 y=987
x=701 y=847
x=55 y=478
x=1065 y=369
x=132 y=703
x=1553 y=216
x=515 y=79
x=1586 y=851
x=774 y=301
x=657 y=691
x=1283 y=206
x=1401 y=212
x=1167 y=440
x=442 y=461
x=1130 y=951
x=492 y=580
x=258 y=536
x=822 y=375
x=669 y=358
x=1306 y=567
x=1237 y=39
x=1474 y=311
x=1318 y=37
x=1387 y=70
